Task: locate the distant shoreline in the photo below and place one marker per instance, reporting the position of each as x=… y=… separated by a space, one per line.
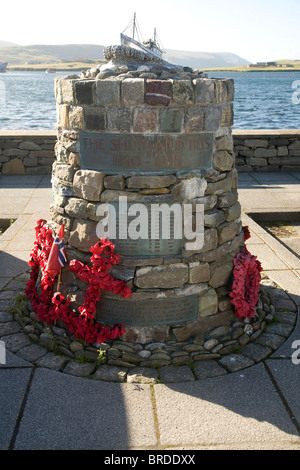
x=262 y=69
x=77 y=66
x=58 y=67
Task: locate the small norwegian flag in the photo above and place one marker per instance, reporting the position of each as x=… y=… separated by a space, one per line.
x=57 y=258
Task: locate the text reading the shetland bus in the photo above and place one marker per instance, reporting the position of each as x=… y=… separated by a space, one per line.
x=145 y=152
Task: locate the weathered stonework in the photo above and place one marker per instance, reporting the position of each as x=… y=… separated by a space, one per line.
x=285 y=143
x=26 y=152
x=185 y=117
x=269 y=150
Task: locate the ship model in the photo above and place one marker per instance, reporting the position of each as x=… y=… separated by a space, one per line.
x=151 y=46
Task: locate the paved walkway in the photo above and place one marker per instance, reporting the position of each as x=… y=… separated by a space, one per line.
x=256 y=408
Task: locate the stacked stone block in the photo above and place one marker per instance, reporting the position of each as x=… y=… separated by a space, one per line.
x=144 y=106
x=26 y=153
x=267 y=151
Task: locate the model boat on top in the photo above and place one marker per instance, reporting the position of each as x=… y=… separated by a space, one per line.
x=151 y=46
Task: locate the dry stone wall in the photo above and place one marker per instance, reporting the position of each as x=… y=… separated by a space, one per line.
x=26 y=152
x=255 y=150
x=267 y=150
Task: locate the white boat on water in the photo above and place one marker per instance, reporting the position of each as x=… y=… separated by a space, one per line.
x=151 y=46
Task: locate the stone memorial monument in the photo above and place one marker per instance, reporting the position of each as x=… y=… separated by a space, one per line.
x=144 y=157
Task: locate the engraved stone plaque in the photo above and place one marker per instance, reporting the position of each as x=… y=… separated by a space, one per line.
x=149 y=153
x=155 y=231
x=147 y=312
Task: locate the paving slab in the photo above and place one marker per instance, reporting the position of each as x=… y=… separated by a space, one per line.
x=37 y=204
x=287 y=376
x=281 y=187
x=269 y=257
x=273 y=176
x=12 y=207
x=4 y=281
x=292 y=260
x=14 y=263
x=11 y=193
x=45 y=182
x=238 y=408
x=66 y=412
x=286 y=350
x=11 y=360
x=20 y=182
x=287 y=280
x=287 y=199
x=246 y=177
x=252 y=198
x=13 y=384
x=16 y=227
x=296 y=174
x=293 y=244
x=252 y=408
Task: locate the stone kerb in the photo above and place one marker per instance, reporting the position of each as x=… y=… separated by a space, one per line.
x=183 y=291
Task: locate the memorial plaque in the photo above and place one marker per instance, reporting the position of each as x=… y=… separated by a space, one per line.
x=153 y=230
x=145 y=153
x=147 y=312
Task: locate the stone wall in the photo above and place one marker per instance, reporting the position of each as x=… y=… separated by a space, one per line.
x=267 y=150
x=32 y=152
x=27 y=152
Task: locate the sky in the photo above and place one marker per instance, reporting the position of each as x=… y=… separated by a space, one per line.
x=257 y=30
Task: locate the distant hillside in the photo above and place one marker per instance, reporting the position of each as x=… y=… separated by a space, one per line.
x=47 y=54
x=70 y=51
x=204 y=59
x=14 y=55
x=7 y=44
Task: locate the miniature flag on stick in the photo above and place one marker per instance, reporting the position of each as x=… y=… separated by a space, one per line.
x=57 y=258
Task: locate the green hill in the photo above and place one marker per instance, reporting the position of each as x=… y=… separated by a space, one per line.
x=7 y=44
x=47 y=54
x=50 y=54
x=204 y=59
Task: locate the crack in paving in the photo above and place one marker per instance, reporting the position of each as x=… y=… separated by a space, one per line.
x=21 y=412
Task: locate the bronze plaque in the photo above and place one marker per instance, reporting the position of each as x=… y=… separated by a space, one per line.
x=149 y=153
x=147 y=312
x=127 y=245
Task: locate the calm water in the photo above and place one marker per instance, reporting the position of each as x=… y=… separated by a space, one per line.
x=263 y=100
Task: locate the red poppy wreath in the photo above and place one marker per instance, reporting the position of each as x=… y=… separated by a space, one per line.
x=246 y=280
x=49 y=307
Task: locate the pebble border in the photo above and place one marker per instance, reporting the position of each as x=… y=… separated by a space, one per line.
x=221 y=350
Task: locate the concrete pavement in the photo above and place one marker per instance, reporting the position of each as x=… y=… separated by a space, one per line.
x=254 y=408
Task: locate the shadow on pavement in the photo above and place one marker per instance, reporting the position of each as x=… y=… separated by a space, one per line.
x=13 y=264
x=242 y=407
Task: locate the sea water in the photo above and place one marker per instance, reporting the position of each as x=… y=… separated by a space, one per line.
x=263 y=100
